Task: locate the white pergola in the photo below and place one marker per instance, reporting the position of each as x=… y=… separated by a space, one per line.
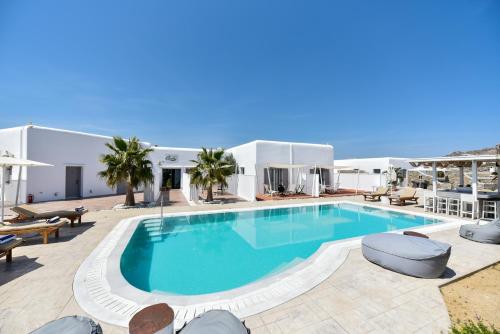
x=6 y=161
x=460 y=162
x=283 y=166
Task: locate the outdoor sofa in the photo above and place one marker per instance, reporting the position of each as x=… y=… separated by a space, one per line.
x=215 y=322
x=27 y=213
x=74 y=324
x=402 y=196
x=375 y=195
x=43 y=227
x=407 y=254
x=488 y=233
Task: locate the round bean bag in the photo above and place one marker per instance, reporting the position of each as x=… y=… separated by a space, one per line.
x=70 y=325
x=409 y=255
x=487 y=233
x=215 y=322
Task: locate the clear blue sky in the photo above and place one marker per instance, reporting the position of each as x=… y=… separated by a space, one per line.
x=373 y=78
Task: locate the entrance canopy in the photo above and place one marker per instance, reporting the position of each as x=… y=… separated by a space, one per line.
x=281 y=165
x=167 y=166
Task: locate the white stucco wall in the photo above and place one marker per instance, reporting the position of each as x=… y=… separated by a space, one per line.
x=368 y=180
x=65 y=148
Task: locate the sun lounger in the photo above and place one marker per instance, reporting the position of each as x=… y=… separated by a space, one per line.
x=27 y=213
x=409 y=255
x=488 y=233
x=404 y=195
x=6 y=248
x=216 y=322
x=44 y=228
x=375 y=195
x=75 y=324
x=269 y=191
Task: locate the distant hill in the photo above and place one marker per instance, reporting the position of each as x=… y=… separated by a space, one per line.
x=482 y=151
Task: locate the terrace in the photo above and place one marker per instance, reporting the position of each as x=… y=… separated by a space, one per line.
x=359 y=297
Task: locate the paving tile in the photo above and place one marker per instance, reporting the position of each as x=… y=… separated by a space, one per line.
x=360 y=297
x=323 y=327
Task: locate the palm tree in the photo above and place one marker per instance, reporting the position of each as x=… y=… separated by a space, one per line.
x=128 y=162
x=212 y=167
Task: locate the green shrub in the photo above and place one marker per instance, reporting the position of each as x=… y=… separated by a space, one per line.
x=470 y=327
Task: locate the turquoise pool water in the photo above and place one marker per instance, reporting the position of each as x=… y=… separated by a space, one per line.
x=199 y=254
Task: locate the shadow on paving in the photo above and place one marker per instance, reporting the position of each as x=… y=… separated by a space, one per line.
x=66 y=233
x=20 y=265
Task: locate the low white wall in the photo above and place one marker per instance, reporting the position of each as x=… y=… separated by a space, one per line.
x=243 y=186
x=189 y=191
x=247 y=186
x=367 y=182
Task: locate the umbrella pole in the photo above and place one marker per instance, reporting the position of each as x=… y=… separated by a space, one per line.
x=3 y=192
x=18 y=185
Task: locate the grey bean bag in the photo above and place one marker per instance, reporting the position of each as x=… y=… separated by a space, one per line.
x=70 y=325
x=215 y=322
x=407 y=255
x=487 y=233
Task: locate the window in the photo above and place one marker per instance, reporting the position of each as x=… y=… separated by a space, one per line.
x=376 y=171
x=242 y=170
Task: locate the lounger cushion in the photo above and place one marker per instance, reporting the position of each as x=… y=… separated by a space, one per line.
x=16 y=228
x=215 y=322
x=487 y=233
x=407 y=255
x=70 y=325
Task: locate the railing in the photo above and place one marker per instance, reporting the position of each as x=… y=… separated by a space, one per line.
x=161 y=206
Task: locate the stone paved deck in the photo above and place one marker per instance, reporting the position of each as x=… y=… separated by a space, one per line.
x=358 y=298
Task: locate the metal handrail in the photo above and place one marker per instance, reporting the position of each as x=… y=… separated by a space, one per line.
x=161 y=206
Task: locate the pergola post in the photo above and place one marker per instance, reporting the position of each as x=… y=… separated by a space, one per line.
x=3 y=193
x=461 y=180
x=434 y=179
x=474 y=179
x=357 y=183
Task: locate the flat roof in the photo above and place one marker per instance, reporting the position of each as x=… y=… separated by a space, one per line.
x=260 y=141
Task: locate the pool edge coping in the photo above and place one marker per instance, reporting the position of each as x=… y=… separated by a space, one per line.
x=101 y=290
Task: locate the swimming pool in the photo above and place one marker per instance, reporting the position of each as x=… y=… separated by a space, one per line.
x=209 y=253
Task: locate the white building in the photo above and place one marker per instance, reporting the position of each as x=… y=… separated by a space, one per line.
x=75 y=159
x=284 y=163
x=369 y=173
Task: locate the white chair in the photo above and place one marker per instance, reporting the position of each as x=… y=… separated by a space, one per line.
x=468 y=206
x=442 y=205
x=429 y=201
x=454 y=206
x=490 y=210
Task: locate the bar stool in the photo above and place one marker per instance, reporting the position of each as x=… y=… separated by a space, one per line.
x=429 y=201
x=490 y=210
x=454 y=206
x=442 y=205
x=468 y=206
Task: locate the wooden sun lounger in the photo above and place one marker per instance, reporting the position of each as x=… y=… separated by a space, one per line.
x=6 y=248
x=41 y=227
x=404 y=195
x=375 y=195
x=26 y=213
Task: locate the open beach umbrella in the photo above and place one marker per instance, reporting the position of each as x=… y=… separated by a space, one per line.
x=11 y=161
